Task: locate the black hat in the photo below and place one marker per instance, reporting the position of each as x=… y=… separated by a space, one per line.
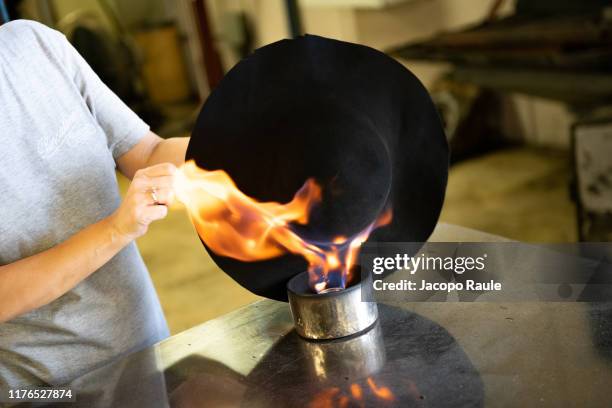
x=351 y=117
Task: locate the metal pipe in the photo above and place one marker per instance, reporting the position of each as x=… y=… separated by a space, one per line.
x=354 y=356
x=331 y=315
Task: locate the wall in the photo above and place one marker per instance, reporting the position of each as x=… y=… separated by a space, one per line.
x=64 y=8
x=542 y=122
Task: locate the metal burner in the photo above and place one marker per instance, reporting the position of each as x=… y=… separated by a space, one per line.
x=331 y=314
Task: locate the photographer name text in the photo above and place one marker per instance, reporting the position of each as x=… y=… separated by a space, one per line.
x=423 y=285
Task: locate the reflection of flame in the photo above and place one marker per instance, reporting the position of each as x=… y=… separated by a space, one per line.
x=325 y=399
x=235 y=225
x=381 y=392
x=334 y=397
x=356 y=391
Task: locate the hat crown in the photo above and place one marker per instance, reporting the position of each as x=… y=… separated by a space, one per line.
x=347 y=115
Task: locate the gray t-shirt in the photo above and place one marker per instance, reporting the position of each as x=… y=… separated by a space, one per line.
x=61 y=130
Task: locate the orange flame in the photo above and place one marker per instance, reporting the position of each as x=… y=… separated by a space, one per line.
x=343 y=401
x=333 y=397
x=381 y=392
x=237 y=226
x=356 y=391
x=325 y=399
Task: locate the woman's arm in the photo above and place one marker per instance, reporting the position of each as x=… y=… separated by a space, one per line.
x=39 y=279
x=152 y=150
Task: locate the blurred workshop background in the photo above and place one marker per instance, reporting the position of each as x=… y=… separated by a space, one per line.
x=524 y=88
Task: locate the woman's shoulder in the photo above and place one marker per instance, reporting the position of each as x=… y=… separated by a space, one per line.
x=28 y=35
x=25 y=28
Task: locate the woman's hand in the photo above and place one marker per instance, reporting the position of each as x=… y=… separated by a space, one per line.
x=147 y=200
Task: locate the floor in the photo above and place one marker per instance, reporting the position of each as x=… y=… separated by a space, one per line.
x=520 y=193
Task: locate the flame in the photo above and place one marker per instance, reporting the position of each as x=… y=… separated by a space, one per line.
x=343 y=401
x=333 y=397
x=381 y=392
x=237 y=226
x=356 y=391
x=325 y=399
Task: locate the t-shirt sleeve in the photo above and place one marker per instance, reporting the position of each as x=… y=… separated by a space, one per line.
x=122 y=127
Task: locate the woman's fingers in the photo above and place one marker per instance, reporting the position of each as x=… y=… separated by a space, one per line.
x=154 y=185
x=146 y=201
x=158 y=196
x=153 y=213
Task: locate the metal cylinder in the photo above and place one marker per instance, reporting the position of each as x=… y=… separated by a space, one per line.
x=353 y=356
x=331 y=315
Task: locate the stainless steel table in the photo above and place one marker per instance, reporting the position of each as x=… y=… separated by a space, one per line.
x=418 y=354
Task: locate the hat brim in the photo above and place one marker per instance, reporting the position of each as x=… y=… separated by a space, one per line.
x=377 y=90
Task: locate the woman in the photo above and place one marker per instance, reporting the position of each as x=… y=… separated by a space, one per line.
x=74 y=291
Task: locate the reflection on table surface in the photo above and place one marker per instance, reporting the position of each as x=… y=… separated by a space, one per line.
x=418 y=354
x=472 y=354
